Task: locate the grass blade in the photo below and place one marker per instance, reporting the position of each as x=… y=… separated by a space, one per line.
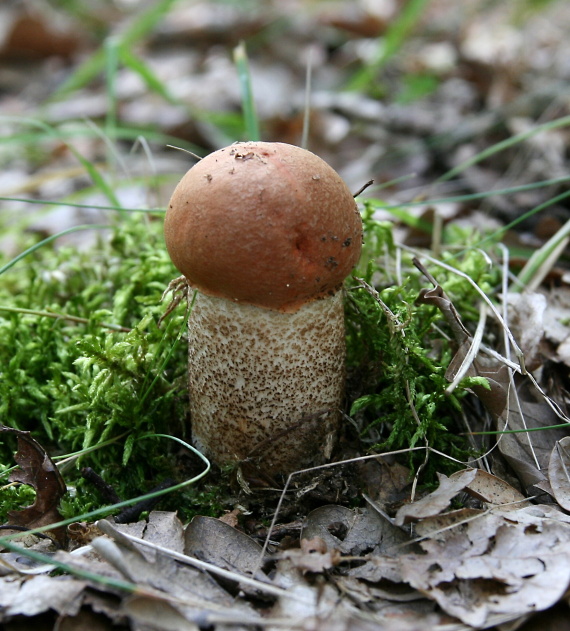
x=505 y=144
x=389 y=45
x=95 y=65
x=152 y=82
x=248 y=104
x=49 y=239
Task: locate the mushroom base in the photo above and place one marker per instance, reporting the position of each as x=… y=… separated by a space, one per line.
x=266 y=386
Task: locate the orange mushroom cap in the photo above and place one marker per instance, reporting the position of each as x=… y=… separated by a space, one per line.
x=267 y=224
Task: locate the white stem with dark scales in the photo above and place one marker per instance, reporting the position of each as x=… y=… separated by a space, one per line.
x=266 y=385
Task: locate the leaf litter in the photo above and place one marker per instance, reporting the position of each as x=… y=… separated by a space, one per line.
x=482 y=565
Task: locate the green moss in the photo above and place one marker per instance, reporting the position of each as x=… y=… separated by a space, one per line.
x=76 y=385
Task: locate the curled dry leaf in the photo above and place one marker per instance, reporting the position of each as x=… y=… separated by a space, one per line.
x=479 y=564
x=313 y=556
x=37 y=470
x=496 y=564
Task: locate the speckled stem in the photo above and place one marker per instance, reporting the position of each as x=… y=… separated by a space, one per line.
x=266 y=385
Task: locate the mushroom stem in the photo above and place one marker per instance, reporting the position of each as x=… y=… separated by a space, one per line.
x=264 y=384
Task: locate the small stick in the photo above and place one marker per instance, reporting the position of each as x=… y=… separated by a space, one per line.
x=363 y=188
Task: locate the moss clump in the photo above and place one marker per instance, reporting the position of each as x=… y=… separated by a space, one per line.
x=77 y=384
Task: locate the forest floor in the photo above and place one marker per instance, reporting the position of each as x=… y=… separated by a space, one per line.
x=459 y=112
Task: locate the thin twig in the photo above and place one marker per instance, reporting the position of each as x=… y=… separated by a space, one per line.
x=64 y=316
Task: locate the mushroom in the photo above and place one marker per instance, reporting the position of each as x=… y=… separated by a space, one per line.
x=266 y=234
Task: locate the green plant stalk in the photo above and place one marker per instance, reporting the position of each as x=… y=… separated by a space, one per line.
x=75 y=571
x=49 y=202
x=415 y=222
x=307 y=105
x=76 y=129
x=153 y=83
x=63 y=316
x=89 y=166
x=484 y=195
x=377 y=202
x=517 y=431
x=248 y=102
x=111 y=48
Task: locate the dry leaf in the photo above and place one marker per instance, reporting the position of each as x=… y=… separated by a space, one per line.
x=157 y=615
x=212 y=540
x=352 y=532
x=528 y=453
x=559 y=472
x=492 y=490
x=39 y=594
x=313 y=556
x=439 y=500
x=526 y=322
x=514 y=570
x=38 y=471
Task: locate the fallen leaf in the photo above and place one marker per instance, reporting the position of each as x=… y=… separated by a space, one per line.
x=520 y=570
x=39 y=594
x=528 y=453
x=352 y=532
x=37 y=470
x=212 y=540
x=492 y=490
x=157 y=615
x=439 y=500
x=559 y=472
x=526 y=322
x=313 y=556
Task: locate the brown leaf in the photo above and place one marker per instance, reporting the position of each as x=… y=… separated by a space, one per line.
x=38 y=594
x=509 y=563
x=559 y=472
x=528 y=453
x=154 y=613
x=436 y=502
x=38 y=471
x=351 y=532
x=492 y=490
x=212 y=540
x=312 y=557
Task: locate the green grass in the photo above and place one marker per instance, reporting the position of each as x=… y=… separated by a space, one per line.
x=367 y=78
